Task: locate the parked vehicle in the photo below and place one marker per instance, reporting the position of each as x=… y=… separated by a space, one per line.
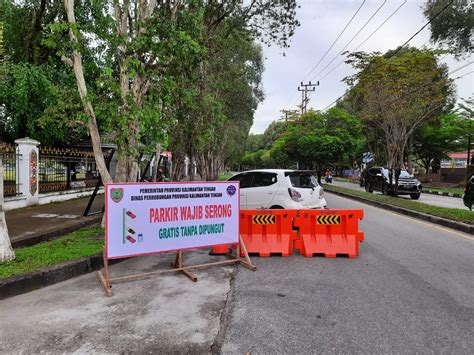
x=377 y=179
x=468 y=197
x=279 y=189
x=328 y=179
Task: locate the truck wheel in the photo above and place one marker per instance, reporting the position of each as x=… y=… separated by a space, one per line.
x=368 y=188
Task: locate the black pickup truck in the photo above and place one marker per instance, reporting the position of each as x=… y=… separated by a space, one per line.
x=468 y=197
x=377 y=179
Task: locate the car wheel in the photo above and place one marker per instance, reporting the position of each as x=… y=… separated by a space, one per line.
x=275 y=207
x=384 y=190
x=415 y=196
x=368 y=188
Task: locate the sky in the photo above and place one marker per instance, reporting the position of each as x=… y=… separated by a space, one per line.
x=321 y=23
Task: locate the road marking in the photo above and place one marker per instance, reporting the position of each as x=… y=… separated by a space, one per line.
x=436 y=226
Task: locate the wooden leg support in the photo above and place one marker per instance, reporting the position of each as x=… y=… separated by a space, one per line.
x=177 y=266
x=247 y=263
x=104 y=277
x=178 y=263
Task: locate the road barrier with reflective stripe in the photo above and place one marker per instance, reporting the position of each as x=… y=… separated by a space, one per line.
x=326 y=233
x=330 y=232
x=268 y=231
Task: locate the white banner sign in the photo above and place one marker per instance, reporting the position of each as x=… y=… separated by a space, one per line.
x=146 y=218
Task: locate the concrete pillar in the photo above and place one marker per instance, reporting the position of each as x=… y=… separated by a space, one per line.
x=28 y=169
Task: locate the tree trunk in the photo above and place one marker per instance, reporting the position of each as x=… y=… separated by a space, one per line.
x=6 y=251
x=156 y=163
x=88 y=109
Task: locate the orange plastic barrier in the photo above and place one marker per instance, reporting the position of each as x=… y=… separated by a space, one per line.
x=329 y=232
x=268 y=231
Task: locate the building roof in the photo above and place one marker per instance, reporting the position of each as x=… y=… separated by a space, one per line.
x=458 y=155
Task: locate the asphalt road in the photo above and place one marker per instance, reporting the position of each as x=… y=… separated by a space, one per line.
x=411 y=290
x=435 y=200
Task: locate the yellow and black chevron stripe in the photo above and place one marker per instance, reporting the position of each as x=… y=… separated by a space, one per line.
x=264 y=219
x=329 y=219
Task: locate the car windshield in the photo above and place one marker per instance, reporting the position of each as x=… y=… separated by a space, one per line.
x=303 y=180
x=403 y=173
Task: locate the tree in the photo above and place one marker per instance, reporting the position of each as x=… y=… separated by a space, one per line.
x=454 y=25
x=273 y=132
x=319 y=140
x=6 y=250
x=76 y=64
x=398 y=92
x=225 y=87
x=433 y=140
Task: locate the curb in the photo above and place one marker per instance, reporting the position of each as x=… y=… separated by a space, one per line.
x=17 y=285
x=442 y=193
x=463 y=227
x=26 y=242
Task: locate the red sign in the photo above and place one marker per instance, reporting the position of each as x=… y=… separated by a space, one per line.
x=33 y=172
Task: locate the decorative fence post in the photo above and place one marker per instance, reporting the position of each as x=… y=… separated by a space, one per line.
x=27 y=169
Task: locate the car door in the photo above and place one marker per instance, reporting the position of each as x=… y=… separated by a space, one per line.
x=245 y=180
x=378 y=179
x=263 y=190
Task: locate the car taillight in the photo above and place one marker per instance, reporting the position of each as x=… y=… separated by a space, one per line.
x=295 y=195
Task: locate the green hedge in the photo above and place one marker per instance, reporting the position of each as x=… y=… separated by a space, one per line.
x=455 y=214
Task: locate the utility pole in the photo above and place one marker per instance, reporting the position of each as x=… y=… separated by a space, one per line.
x=286 y=113
x=305 y=88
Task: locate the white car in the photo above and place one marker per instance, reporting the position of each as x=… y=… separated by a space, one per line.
x=279 y=189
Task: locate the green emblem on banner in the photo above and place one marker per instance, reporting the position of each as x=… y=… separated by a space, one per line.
x=116 y=194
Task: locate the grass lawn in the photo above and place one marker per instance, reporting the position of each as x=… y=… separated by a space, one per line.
x=454 y=214
x=449 y=190
x=225 y=176
x=346 y=180
x=76 y=245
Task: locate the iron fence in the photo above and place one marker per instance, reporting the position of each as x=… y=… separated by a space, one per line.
x=66 y=169
x=10 y=160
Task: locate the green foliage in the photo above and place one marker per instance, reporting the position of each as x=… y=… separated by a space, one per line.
x=76 y=245
x=274 y=131
x=319 y=140
x=453 y=27
x=432 y=141
x=32 y=102
x=254 y=142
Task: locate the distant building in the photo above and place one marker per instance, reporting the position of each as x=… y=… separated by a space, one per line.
x=456 y=160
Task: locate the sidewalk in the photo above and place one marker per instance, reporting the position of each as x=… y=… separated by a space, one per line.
x=167 y=314
x=27 y=226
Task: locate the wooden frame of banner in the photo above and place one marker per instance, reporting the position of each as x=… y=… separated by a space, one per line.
x=106 y=280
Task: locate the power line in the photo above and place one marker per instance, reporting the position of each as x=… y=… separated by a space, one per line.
x=347 y=44
x=334 y=42
x=462 y=76
x=368 y=37
x=327 y=51
x=421 y=29
x=459 y=77
x=462 y=67
x=400 y=47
